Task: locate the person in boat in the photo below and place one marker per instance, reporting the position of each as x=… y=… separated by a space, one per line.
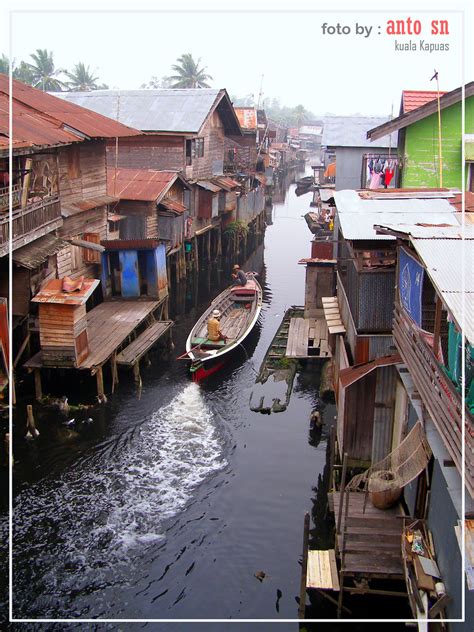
x=214 y=333
x=239 y=277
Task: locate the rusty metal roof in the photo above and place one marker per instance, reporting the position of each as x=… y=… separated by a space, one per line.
x=40 y=119
x=73 y=208
x=468 y=201
x=145 y=185
x=412 y=99
x=33 y=254
x=226 y=183
x=52 y=292
x=173 y=205
x=209 y=186
x=354 y=373
x=30 y=127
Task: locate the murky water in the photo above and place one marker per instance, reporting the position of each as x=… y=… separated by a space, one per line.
x=165 y=507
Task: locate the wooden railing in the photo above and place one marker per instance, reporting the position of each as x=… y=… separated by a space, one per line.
x=437 y=392
x=34 y=221
x=5 y=197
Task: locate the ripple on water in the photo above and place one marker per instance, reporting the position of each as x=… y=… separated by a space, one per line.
x=104 y=512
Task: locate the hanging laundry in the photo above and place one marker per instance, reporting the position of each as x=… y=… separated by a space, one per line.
x=375 y=181
x=389 y=173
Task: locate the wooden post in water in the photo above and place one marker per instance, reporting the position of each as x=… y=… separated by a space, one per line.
x=30 y=424
x=113 y=366
x=342 y=489
x=99 y=376
x=136 y=374
x=332 y=451
x=304 y=568
x=196 y=254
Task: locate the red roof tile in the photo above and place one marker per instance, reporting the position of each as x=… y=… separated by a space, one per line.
x=139 y=184
x=41 y=119
x=412 y=99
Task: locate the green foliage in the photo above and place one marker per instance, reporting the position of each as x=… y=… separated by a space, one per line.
x=157 y=83
x=4 y=64
x=82 y=79
x=236 y=228
x=44 y=73
x=290 y=116
x=188 y=74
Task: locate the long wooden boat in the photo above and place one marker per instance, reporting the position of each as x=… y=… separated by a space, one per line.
x=240 y=306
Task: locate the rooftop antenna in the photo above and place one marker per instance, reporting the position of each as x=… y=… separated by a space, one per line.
x=435 y=76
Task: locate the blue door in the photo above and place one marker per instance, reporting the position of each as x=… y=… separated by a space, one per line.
x=129 y=273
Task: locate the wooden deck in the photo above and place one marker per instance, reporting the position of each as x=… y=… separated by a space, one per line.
x=109 y=325
x=143 y=343
x=370 y=542
x=322 y=570
x=308 y=338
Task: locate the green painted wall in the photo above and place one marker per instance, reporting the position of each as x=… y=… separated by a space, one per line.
x=420 y=156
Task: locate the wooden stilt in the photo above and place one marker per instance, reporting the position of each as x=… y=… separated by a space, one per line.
x=332 y=450
x=99 y=376
x=219 y=242
x=196 y=254
x=38 y=389
x=113 y=366
x=208 y=246
x=304 y=568
x=30 y=424
x=136 y=374
x=342 y=489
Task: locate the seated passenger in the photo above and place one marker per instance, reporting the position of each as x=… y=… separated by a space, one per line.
x=239 y=277
x=214 y=333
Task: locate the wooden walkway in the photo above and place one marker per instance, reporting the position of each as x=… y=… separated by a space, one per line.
x=369 y=544
x=108 y=325
x=143 y=343
x=308 y=338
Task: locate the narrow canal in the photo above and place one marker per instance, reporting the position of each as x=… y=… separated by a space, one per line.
x=166 y=506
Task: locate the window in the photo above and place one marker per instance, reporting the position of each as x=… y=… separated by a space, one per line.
x=199 y=147
x=194 y=149
x=89 y=255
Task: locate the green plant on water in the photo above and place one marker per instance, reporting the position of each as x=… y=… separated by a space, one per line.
x=284 y=363
x=236 y=228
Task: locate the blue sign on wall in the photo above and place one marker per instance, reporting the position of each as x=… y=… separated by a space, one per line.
x=410 y=283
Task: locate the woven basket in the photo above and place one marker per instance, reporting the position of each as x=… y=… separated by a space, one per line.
x=384 y=488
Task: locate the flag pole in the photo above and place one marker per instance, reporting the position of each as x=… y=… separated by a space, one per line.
x=435 y=76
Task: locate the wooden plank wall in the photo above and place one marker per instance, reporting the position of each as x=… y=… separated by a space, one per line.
x=82 y=173
x=152 y=152
x=213 y=134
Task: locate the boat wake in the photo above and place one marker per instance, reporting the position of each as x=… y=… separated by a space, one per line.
x=103 y=513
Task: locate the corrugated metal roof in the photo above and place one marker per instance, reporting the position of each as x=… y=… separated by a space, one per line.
x=453 y=230
x=226 y=183
x=412 y=99
x=468 y=201
x=351 y=131
x=445 y=259
x=52 y=292
x=73 y=208
x=182 y=110
x=30 y=127
x=209 y=186
x=247 y=117
x=89 y=123
x=357 y=216
x=139 y=184
x=35 y=253
x=173 y=205
x=354 y=373
x=40 y=119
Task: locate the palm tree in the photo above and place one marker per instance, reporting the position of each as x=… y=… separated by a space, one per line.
x=82 y=79
x=24 y=73
x=4 y=64
x=189 y=75
x=44 y=73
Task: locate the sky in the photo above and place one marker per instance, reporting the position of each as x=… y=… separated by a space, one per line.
x=258 y=44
